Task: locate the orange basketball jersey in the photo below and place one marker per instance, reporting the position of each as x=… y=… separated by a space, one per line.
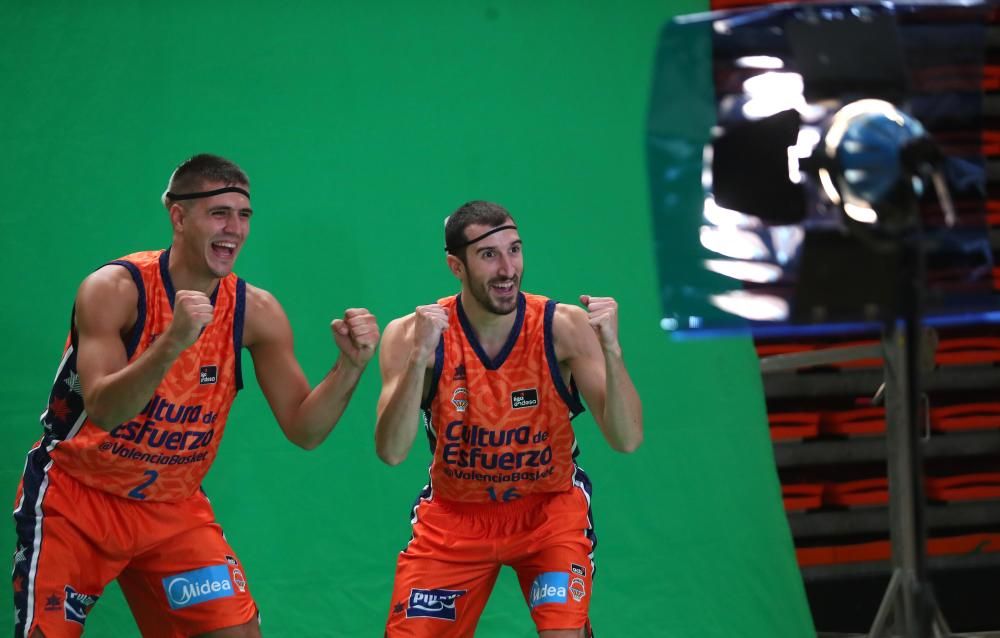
x=500 y=428
x=162 y=453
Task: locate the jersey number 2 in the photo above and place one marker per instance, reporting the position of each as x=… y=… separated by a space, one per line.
x=137 y=490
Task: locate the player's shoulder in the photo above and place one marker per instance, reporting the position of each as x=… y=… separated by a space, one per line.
x=398 y=335
x=107 y=297
x=567 y=316
x=401 y=323
x=109 y=282
x=399 y=328
x=570 y=329
x=259 y=299
x=264 y=319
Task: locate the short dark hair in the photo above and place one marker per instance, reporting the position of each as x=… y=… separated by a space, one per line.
x=191 y=175
x=474 y=212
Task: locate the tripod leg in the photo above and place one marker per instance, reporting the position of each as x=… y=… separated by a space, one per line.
x=890 y=601
x=941 y=628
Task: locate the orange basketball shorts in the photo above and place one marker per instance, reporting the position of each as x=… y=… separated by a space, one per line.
x=447 y=571
x=179 y=575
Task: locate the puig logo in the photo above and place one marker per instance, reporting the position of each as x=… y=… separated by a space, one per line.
x=433 y=603
x=76 y=606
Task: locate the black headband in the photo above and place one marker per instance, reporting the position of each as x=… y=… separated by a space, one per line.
x=483 y=236
x=218 y=191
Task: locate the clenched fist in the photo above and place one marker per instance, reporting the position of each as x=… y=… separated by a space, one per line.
x=428 y=324
x=356 y=335
x=192 y=312
x=603 y=317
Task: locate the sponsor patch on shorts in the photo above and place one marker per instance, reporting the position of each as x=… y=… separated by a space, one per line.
x=433 y=603
x=549 y=587
x=198 y=586
x=77 y=605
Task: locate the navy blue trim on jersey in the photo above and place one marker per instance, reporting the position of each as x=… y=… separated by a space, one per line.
x=239 y=314
x=425 y=495
x=470 y=334
x=571 y=395
x=435 y=375
x=65 y=406
x=168 y=283
x=73 y=337
x=28 y=529
x=429 y=429
x=140 y=305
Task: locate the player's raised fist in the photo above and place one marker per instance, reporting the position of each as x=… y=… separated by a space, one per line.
x=428 y=323
x=192 y=312
x=603 y=316
x=356 y=334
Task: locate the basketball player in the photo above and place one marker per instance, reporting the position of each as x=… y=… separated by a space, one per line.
x=135 y=417
x=497 y=373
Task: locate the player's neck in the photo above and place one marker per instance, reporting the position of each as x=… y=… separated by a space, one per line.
x=492 y=330
x=186 y=278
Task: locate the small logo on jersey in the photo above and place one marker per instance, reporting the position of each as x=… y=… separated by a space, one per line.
x=53 y=603
x=209 y=374
x=549 y=587
x=579 y=570
x=524 y=398
x=398 y=608
x=76 y=606
x=433 y=603
x=232 y=560
x=460 y=399
x=577 y=589
x=198 y=586
x=459 y=373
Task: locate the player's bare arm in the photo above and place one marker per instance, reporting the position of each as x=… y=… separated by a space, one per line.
x=115 y=390
x=306 y=415
x=407 y=354
x=587 y=341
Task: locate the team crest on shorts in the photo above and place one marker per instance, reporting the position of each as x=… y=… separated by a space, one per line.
x=460 y=399
x=577 y=589
x=433 y=603
x=239 y=580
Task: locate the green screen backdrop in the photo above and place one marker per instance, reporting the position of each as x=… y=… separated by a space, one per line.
x=362 y=125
